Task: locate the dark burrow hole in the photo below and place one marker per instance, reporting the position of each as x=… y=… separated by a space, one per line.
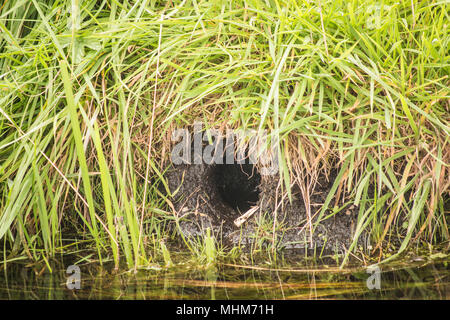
x=237 y=185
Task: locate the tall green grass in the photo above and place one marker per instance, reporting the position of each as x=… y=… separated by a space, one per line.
x=89 y=89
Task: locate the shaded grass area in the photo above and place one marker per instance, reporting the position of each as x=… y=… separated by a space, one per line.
x=90 y=90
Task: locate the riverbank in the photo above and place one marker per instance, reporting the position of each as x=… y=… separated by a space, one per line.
x=90 y=95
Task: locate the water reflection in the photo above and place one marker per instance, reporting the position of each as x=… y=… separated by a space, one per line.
x=425 y=281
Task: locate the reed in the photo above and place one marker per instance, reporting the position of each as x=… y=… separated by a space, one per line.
x=89 y=88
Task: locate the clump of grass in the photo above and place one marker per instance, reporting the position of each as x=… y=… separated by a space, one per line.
x=210 y=248
x=205 y=251
x=166 y=254
x=89 y=90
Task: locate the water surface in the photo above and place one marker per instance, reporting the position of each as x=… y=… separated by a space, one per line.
x=420 y=279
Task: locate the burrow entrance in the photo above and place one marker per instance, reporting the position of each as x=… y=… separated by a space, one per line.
x=215 y=195
x=238 y=185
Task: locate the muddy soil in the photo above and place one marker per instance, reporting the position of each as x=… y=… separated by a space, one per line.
x=214 y=196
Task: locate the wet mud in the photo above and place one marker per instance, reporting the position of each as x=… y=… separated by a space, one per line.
x=245 y=208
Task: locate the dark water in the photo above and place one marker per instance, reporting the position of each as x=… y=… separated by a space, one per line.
x=420 y=279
